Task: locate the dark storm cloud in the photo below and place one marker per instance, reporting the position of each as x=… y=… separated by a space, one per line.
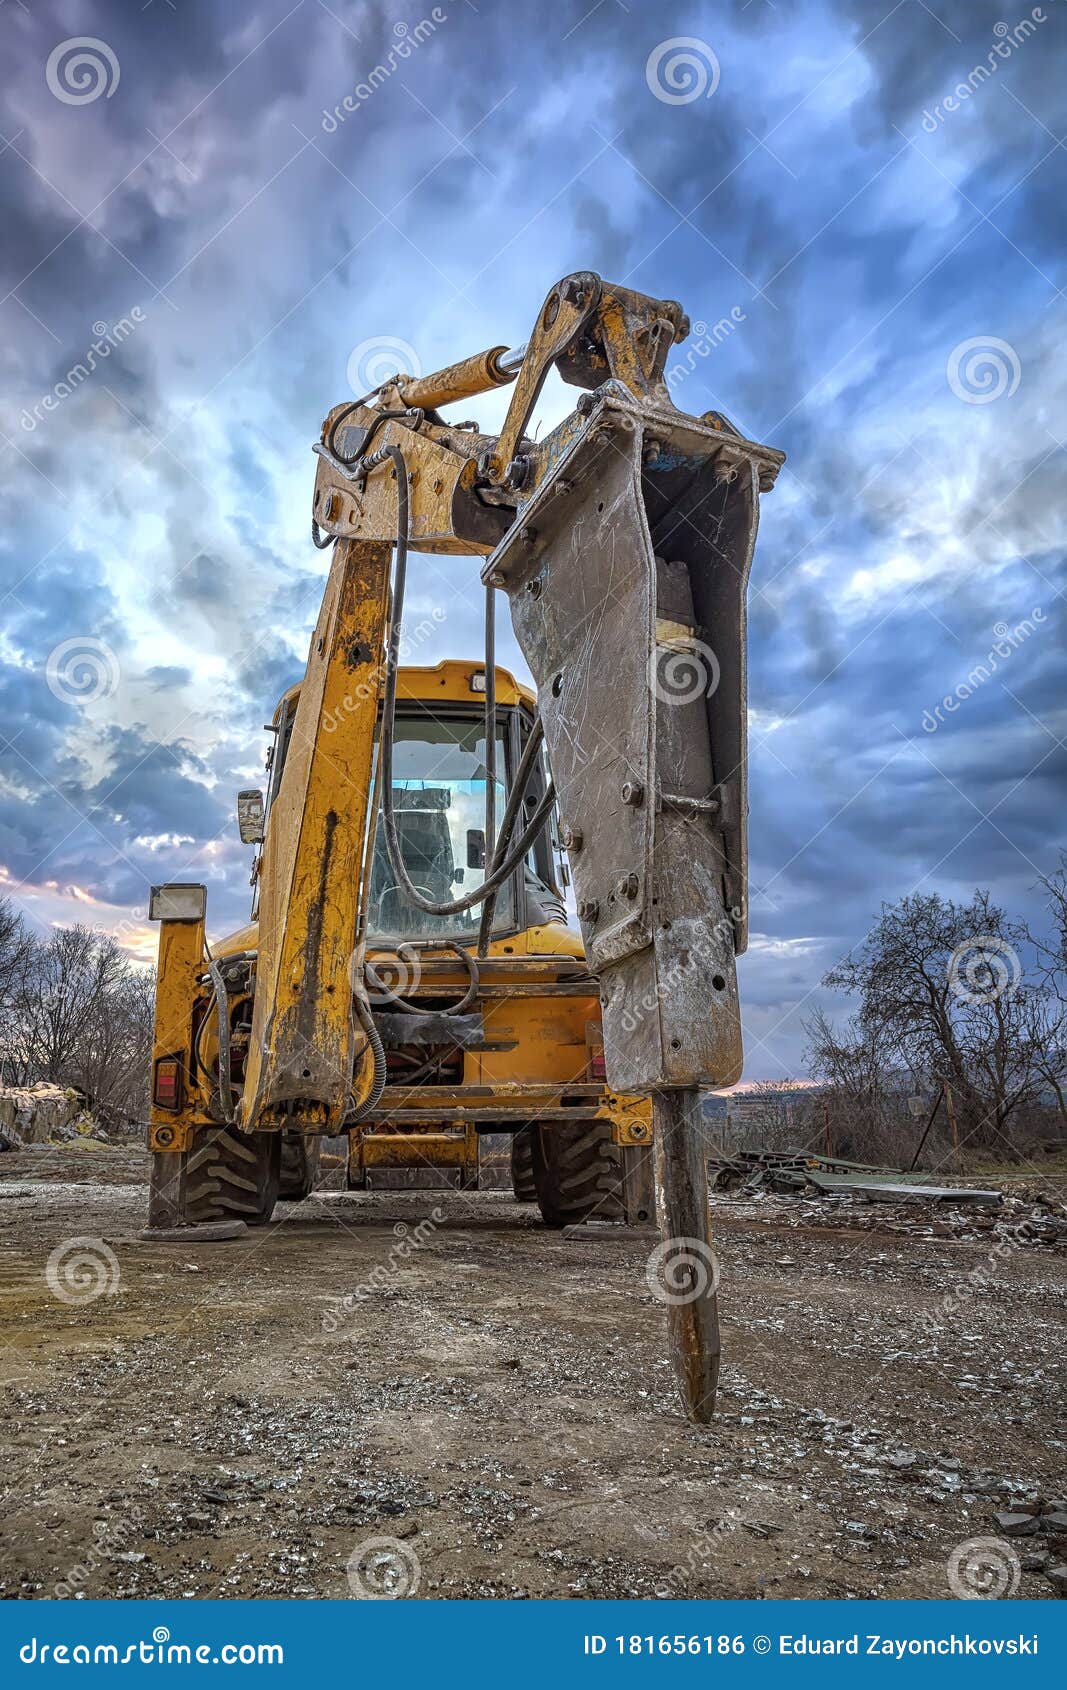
x=161 y=506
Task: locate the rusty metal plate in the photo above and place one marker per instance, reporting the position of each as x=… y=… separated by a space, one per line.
x=626 y=579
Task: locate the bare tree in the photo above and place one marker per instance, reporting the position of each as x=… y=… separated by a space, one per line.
x=81 y=1015
x=17 y=948
x=942 y=996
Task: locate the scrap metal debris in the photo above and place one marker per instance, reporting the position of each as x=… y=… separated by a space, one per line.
x=834 y=1191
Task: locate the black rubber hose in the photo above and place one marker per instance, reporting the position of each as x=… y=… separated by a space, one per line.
x=377 y=1049
x=222 y=1000
x=489 y=843
x=527 y=764
x=506 y=867
x=410 y=956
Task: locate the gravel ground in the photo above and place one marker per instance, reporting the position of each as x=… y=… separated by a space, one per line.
x=432 y=1394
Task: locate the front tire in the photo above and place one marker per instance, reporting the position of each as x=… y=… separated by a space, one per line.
x=300 y=1154
x=522 y=1174
x=232 y=1176
x=577 y=1171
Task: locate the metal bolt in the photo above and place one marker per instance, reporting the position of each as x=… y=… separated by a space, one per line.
x=517 y=474
x=534 y=586
x=570 y=838
x=633 y=793
x=585 y=404
x=527 y=536
x=628 y=886
x=588 y=909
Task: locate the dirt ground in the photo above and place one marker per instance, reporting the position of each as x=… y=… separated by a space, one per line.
x=495 y=1402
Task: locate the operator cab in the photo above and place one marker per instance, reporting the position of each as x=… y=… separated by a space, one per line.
x=439 y=801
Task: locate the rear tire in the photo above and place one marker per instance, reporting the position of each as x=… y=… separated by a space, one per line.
x=522 y=1174
x=577 y=1171
x=232 y=1176
x=299 y=1165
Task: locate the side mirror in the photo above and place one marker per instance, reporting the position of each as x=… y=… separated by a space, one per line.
x=475 y=847
x=250 y=817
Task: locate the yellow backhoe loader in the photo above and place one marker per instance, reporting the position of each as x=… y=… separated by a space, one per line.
x=409 y=977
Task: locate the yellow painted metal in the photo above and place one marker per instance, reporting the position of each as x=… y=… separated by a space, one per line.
x=412 y=1150
x=181 y=963
x=547 y=1037
x=464 y=380
x=301 y=1051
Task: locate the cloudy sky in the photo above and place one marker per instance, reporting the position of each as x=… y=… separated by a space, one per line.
x=190 y=192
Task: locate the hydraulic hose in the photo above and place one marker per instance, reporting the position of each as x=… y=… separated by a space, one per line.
x=377 y=1050
x=507 y=865
x=409 y=956
x=222 y=1002
x=527 y=764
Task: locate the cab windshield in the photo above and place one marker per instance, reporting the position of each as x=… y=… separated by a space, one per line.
x=439 y=787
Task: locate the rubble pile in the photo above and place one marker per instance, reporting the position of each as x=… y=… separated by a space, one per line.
x=812 y=1191
x=44 y=1114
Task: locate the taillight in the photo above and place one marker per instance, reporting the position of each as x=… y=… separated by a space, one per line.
x=594 y=1044
x=167 y=1089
